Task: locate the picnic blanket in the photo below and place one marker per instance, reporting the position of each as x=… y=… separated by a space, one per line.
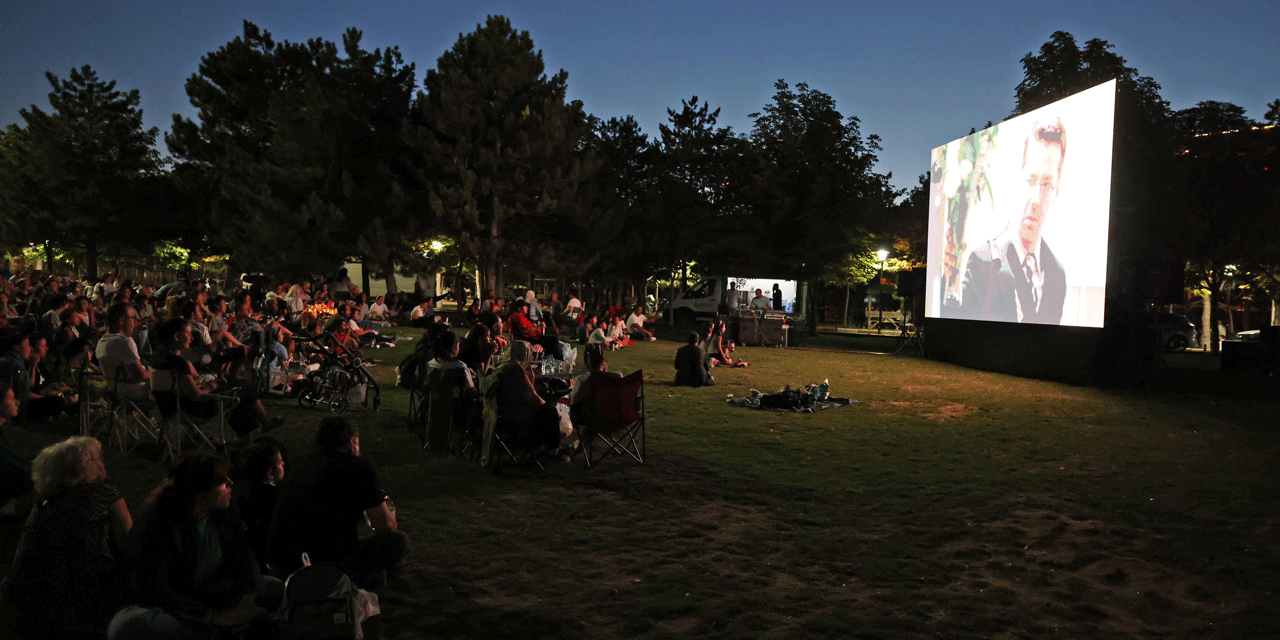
x=812 y=398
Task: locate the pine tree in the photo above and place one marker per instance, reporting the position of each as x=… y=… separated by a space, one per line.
x=502 y=145
x=81 y=163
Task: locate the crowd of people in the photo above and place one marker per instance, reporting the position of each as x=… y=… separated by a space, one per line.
x=206 y=553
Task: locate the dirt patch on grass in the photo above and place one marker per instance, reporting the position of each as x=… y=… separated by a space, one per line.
x=949 y=411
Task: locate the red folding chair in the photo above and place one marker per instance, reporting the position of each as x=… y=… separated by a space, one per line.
x=617 y=418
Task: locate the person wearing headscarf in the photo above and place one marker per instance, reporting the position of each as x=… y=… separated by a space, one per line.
x=513 y=407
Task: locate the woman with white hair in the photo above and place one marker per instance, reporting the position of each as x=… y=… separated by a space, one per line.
x=66 y=579
x=296 y=299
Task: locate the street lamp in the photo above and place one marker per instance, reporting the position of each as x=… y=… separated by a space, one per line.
x=881 y=255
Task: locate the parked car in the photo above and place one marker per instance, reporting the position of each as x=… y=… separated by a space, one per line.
x=1175 y=331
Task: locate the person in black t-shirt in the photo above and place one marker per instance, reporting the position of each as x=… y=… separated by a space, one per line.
x=263 y=469
x=321 y=504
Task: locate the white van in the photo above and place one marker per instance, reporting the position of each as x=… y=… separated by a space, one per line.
x=716 y=295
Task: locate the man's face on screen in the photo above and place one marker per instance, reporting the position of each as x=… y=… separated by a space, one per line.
x=1040 y=182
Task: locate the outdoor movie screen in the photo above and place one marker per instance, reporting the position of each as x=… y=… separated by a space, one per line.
x=1018 y=217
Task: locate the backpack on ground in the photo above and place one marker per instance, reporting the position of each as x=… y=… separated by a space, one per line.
x=407 y=372
x=320 y=602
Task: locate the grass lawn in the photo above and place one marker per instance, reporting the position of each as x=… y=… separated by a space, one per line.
x=945 y=503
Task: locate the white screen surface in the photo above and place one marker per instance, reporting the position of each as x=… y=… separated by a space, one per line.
x=1037 y=184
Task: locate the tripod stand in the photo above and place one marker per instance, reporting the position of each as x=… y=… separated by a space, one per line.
x=907 y=338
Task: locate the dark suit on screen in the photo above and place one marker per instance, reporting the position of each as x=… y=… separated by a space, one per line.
x=995 y=284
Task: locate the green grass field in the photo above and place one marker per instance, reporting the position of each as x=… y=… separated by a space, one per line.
x=944 y=503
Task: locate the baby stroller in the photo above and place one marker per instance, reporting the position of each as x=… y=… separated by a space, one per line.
x=340 y=380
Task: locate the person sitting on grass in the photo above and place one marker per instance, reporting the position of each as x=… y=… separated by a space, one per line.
x=364 y=337
x=424 y=313
x=597 y=335
x=15 y=351
x=718 y=348
x=340 y=339
x=378 y=310
x=263 y=469
x=323 y=501
x=17 y=493
x=616 y=330
x=67 y=577
x=691 y=364
x=193 y=572
x=636 y=325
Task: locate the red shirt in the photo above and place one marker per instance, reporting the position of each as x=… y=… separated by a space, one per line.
x=522 y=328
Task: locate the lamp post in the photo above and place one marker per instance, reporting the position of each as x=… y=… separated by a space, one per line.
x=882 y=255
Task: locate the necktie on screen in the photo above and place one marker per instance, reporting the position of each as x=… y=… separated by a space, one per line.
x=1030 y=267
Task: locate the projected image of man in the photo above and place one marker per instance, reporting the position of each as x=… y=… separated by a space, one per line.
x=1015 y=277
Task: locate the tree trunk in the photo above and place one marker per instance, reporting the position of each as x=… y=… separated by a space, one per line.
x=1212 y=304
x=364 y=275
x=1206 y=317
x=846 y=303
x=492 y=263
x=1275 y=313
x=48 y=256
x=389 y=275
x=671 y=299
x=90 y=259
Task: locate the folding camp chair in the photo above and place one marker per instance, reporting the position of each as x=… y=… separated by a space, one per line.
x=511 y=450
x=182 y=429
x=125 y=420
x=617 y=418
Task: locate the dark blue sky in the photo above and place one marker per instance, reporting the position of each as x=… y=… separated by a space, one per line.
x=917 y=74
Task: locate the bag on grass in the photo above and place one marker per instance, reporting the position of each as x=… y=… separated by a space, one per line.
x=407 y=372
x=320 y=601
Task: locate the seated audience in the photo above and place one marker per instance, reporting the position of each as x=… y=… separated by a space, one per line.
x=718 y=347
x=573 y=308
x=447 y=375
x=173 y=383
x=524 y=328
x=43 y=385
x=263 y=469
x=477 y=348
x=323 y=501
x=194 y=575
x=16 y=489
x=616 y=329
x=424 y=313
x=597 y=335
x=118 y=354
x=636 y=325
x=514 y=408
x=378 y=310
x=15 y=351
x=581 y=399
x=691 y=364
x=364 y=337
x=66 y=579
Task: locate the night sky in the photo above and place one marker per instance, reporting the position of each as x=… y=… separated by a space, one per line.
x=917 y=74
